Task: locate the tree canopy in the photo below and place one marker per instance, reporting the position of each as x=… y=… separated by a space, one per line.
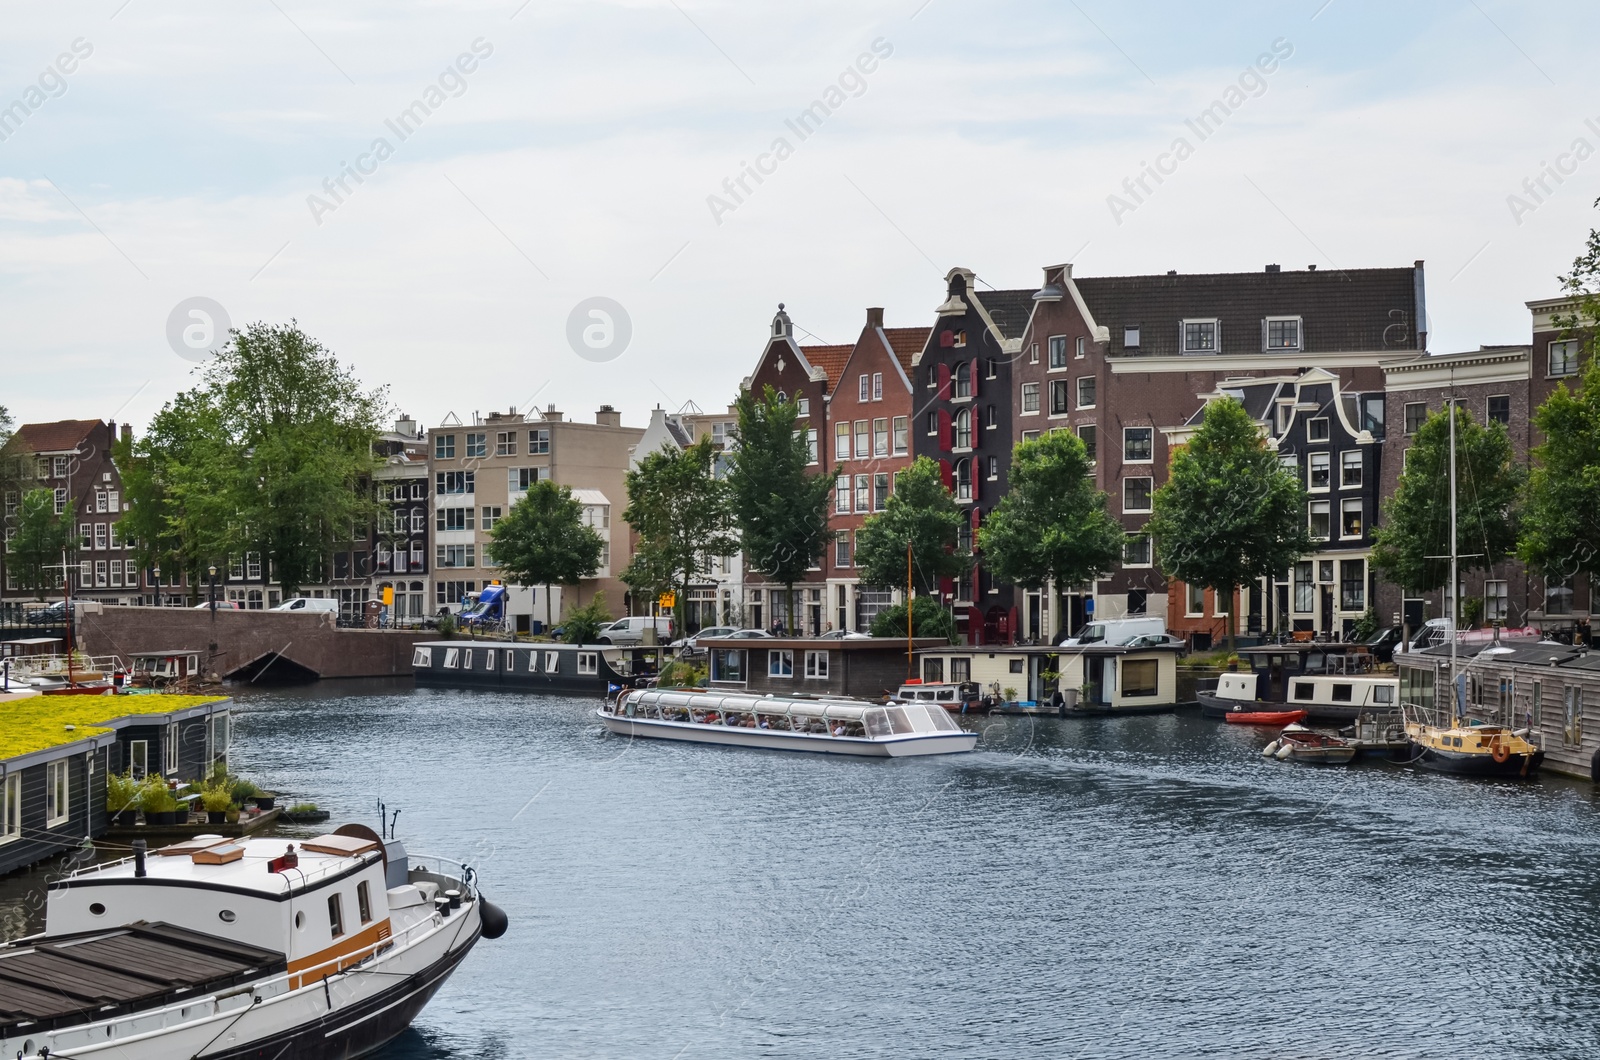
x=543 y=540
x=1412 y=542
x=1053 y=525
x=683 y=515
x=780 y=506
x=920 y=511
x=41 y=544
x=1229 y=512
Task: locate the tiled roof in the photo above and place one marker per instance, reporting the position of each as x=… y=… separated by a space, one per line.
x=1009 y=309
x=830 y=359
x=1342 y=309
x=906 y=344
x=58 y=437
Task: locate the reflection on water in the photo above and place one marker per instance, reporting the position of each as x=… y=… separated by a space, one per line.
x=1124 y=887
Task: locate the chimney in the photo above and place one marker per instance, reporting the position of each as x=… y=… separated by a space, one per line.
x=1311 y=268
x=875 y=317
x=608 y=417
x=127 y=432
x=406 y=426
x=552 y=415
x=1274 y=268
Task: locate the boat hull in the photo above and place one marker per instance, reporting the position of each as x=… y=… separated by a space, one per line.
x=1214 y=706
x=1265 y=717
x=777 y=740
x=1465 y=764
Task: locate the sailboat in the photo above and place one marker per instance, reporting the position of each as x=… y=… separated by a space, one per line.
x=1446 y=742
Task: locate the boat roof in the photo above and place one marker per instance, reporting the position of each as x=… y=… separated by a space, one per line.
x=249 y=873
x=747 y=703
x=1520 y=652
x=163 y=654
x=1051 y=649
x=68 y=979
x=1336 y=647
x=31 y=641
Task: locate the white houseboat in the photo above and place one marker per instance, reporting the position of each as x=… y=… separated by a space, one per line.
x=1330 y=686
x=821 y=724
x=230 y=948
x=1087 y=679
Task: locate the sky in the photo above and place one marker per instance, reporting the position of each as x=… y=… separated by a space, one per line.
x=267 y=160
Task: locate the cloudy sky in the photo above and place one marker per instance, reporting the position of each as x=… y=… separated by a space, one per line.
x=564 y=151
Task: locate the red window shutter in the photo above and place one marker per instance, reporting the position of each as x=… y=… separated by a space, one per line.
x=946 y=431
x=947 y=586
x=947 y=337
x=977 y=515
x=944 y=382
x=948 y=475
x=976 y=375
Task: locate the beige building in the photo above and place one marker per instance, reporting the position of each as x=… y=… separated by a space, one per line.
x=482 y=468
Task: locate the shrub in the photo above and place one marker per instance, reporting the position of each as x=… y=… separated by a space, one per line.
x=123 y=792
x=928 y=619
x=447 y=626
x=682 y=674
x=582 y=624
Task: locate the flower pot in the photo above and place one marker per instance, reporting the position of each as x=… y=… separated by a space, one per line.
x=265 y=802
x=125 y=818
x=216 y=816
x=232 y=816
x=159 y=818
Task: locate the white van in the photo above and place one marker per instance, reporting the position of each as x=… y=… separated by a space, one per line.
x=630 y=630
x=1115 y=631
x=323 y=606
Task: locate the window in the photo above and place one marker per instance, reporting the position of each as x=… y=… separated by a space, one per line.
x=880 y=491
x=802 y=407
x=522 y=479
x=841 y=494
x=1136 y=494
x=60 y=467
x=991 y=368
x=811 y=445
x=963 y=480
x=1283 y=333
x=933 y=671
x=1416 y=416
x=1199 y=336
x=1033 y=353
x=11 y=807
x=880 y=437
x=1030 y=397
x=99 y=574
x=817 y=665
x=841 y=441
x=1136 y=550
x=1194 y=600
x=1572 y=722
x=1564 y=358
x=456 y=556
x=86 y=534
x=444 y=447
x=1130 y=336
x=1088 y=436
x=1058 y=351
x=419 y=491
x=1030 y=436
x=336 y=914
x=1499 y=408
x=863 y=493
x=55 y=794
x=994 y=468
x=588 y=663
x=477 y=445
x=863 y=387
x=1352 y=514
x=1059 y=397
x=1318 y=473
x=963 y=430
x=169 y=749
x=901 y=429
x=841 y=544
x=491 y=515
x=877 y=386
x=539 y=441
x=1139 y=677
x=505 y=443
x=1305 y=590
x=1496 y=601
x=863 y=439
x=960 y=669
x=455 y=482
x=452 y=519
x=780 y=663
x=1319 y=520
x=1138 y=444
x=1086 y=395
x=1317 y=429
x=364 y=902
x=1353 y=585
x=61 y=501
x=1079 y=347
x=963 y=381
x=1350 y=468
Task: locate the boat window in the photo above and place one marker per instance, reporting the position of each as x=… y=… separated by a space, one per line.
x=922 y=719
x=1139 y=677
x=364 y=901
x=941 y=720
x=488 y=659
x=533 y=662
x=932 y=671
x=877 y=722
x=899 y=723
x=1304 y=690
x=1383 y=694
x=422 y=657
x=451 y=657
x=1341 y=693
x=1016 y=666
x=945 y=695
x=552 y=662
x=336 y=914
x=588 y=662
x=511 y=660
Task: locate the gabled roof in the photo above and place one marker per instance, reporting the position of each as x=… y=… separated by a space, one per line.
x=59 y=437
x=830 y=359
x=906 y=343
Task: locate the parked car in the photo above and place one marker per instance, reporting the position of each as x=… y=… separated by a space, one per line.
x=53 y=615
x=222 y=605
x=692 y=642
x=1383 y=643
x=1156 y=640
x=748 y=634
x=630 y=630
x=844 y=634
x=323 y=605
x=1113 y=631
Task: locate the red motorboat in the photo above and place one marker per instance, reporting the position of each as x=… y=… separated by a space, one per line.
x=1265 y=717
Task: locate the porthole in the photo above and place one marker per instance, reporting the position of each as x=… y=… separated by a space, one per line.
x=299 y=921
x=96 y=909
x=227 y=916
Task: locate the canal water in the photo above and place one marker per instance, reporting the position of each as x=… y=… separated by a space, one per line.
x=1129 y=887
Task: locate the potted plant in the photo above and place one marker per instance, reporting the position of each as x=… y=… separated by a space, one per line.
x=265 y=800
x=216 y=802
x=159 y=805
x=122 y=799
x=242 y=791
x=231 y=815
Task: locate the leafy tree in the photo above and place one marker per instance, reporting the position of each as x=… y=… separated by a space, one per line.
x=1053 y=525
x=1415 y=531
x=928 y=619
x=780 y=507
x=271 y=453
x=1228 y=513
x=17 y=475
x=683 y=515
x=582 y=624
x=41 y=544
x=543 y=540
x=920 y=512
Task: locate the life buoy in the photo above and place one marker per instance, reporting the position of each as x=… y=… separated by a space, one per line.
x=1500 y=750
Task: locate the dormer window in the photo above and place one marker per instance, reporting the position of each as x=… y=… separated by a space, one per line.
x=1317 y=429
x=1282 y=333
x=1130 y=337
x=1200 y=336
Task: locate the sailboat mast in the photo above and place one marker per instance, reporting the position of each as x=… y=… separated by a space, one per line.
x=1455 y=559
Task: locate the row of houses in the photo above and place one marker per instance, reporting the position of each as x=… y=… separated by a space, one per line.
x=1333 y=365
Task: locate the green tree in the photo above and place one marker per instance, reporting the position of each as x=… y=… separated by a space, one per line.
x=683 y=515
x=1053 y=525
x=928 y=619
x=780 y=507
x=271 y=453
x=1229 y=513
x=1411 y=545
x=42 y=542
x=543 y=540
x=583 y=624
x=920 y=512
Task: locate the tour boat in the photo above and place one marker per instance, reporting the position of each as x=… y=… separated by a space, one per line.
x=1265 y=717
x=819 y=724
x=1300 y=744
x=222 y=949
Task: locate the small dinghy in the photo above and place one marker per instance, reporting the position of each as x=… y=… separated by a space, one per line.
x=1300 y=744
x=1265 y=717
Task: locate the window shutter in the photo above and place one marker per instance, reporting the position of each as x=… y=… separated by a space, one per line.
x=944 y=382
x=977 y=516
x=977 y=374
x=947 y=586
x=947 y=337
x=947 y=475
x=946 y=431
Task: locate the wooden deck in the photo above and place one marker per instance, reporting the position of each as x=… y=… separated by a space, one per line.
x=120 y=834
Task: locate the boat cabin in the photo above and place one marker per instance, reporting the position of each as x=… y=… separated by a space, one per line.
x=26 y=647
x=1275 y=666
x=1360 y=692
x=532 y=667
x=1101 y=677
x=860 y=667
x=160 y=669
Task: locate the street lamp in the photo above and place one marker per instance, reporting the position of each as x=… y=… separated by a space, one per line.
x=155 y=574
x=211 y=573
